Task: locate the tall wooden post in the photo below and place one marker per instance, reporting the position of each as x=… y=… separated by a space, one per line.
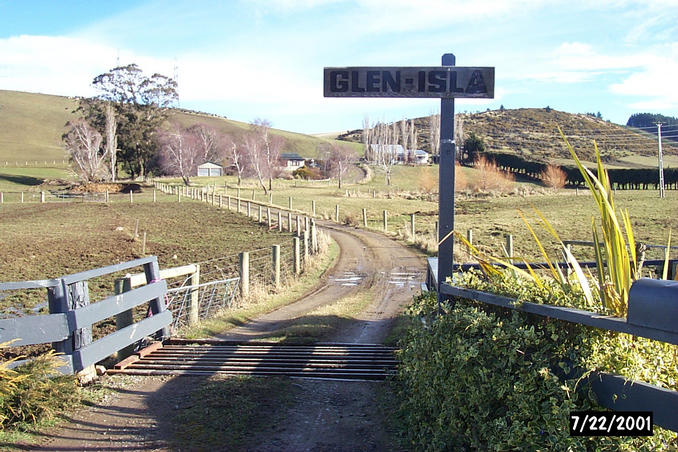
x=313 y=207
x=385 y=220
x=124 y=319
x=280 y=225
x=364 y=217
x=336 y=213
x=414 y=234
x=194 y=306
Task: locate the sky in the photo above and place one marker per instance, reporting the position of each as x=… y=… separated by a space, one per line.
x=248 y=59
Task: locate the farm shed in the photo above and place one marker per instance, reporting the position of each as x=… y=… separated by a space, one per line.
x=210 y=169
x=291 y=162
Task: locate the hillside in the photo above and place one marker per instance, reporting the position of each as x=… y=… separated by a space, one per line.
x=533 y=133
x=31 y=126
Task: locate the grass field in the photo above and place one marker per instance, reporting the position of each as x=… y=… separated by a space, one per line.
x=490 y=215
x=41 y=241
x=31 y=126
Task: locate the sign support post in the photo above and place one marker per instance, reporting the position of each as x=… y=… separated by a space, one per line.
x=445 y=82
x=446 y=187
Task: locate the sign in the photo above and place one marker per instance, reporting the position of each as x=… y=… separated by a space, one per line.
x=445 y=82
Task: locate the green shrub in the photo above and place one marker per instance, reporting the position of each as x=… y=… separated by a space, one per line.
x=485 y=378
x=33 y=392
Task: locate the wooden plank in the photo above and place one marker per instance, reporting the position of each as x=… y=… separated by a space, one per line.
x=110 y=344
x=36 y=284
x=35 y=329
x=89 y=274
x=617 y=393
x=140 y=278
x=108 y=307
x=568 y=314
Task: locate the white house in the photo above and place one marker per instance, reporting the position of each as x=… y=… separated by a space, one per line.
x=291 y=162
x=210 y=169
x=397 y=150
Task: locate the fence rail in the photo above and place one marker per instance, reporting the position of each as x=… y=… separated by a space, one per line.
x=68 y=326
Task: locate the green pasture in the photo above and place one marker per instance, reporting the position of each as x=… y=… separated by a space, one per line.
x=490 y=215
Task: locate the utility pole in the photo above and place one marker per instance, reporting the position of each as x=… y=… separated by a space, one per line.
x=661 y=163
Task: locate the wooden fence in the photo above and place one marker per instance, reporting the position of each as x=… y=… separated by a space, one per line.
x=612 y=391
x=68 y=325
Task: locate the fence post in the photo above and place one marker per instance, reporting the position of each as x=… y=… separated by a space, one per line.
x=238 y=204
x=154 y=195
x=385 y=221
x=289 y=221
x=58 y=303
x=313 y=207
x=244 y=274
x=364 y=217
x=276 y=266
x=298 y=225
x=297 y=257
x=268 y=217
x=228 y=198
x=2 y=198
x=22 y=197
x=469 y=236
x=42 y=196
x=194 y=306
x=249 y=209
x=221 y=201
x=270 y=198
x=336 y=213
x=509 y=247
x=290 y=203
x=314 y=237
x=157 y=305
x=254 y=195
x=125 y=318
x=280 y=225
x=131 y=196
x=306 y=250
x=261 y=217
x=178 y=195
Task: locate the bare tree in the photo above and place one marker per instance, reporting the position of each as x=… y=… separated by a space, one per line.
x=459 y=135
x=208 y=141
x=111 y=126
x=271 y=147
x=434 y=133
x=254 y=151
x=179 y=152
x=339 y=160
x=83 y=142
x=413 y=138
x=367 y=137
x=235 y=155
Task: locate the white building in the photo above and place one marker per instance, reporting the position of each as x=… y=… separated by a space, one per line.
x=210 y=169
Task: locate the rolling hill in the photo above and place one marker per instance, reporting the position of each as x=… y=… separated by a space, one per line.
x=533 y=134
x=31 y=126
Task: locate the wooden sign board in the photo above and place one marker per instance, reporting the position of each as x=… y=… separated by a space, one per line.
x=445 y=82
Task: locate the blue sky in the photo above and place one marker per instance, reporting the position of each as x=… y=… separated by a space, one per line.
x=265 y=58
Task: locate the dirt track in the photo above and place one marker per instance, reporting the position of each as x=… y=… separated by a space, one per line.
x=326 y=415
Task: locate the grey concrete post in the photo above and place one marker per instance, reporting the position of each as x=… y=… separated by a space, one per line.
x=297 y=257
x=244 y=274
x=276 y=266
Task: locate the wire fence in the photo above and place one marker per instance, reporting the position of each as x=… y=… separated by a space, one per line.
x=210 y=297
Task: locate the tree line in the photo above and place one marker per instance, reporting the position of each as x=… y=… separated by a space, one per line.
x=127 y=126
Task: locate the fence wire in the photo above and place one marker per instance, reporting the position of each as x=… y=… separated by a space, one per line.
x=211 y=297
